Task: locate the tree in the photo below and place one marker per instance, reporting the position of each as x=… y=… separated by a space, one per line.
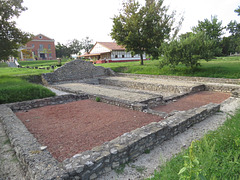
x=11 y=38
x=87 y=44
x=213 y=29
x=75 y=46
x=233 y=40
x=237 y=10
x=143 y=29
x=231 y=44
x=62 y=50
x=188 y=50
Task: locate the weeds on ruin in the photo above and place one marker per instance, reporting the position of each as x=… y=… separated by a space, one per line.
x=98 y=99
x=215 y=156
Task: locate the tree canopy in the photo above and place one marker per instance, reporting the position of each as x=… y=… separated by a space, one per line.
x=142 y=29
x=238 y=10
x=188 y=50
x=231 y=44
x=73 y=47
x=11 y=38
x=213 y=28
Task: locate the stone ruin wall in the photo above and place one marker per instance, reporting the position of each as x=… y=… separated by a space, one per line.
x=101 y=159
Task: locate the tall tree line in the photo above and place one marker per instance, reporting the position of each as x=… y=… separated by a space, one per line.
x=73 y=47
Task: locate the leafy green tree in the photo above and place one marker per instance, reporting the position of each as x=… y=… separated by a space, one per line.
x=231 y=44
x=188 y=50
x=142 y=29
x=11 y=38
x=87 y=44
x=74 y=46
x=213 y=29
x=62 y=50
x=237 y=10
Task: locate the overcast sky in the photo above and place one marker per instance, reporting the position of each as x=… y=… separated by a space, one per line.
x=65 y=20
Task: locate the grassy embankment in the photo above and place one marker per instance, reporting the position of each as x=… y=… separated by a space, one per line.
x=14 y=88
x=222 y=67
x=215 y=156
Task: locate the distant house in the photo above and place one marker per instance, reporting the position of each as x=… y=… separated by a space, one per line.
x=39 y=48
x=103 y=52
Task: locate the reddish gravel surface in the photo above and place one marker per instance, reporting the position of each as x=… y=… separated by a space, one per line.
x=194 y=101
x=68 y=129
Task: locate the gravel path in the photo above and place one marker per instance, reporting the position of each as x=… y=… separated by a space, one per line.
x=102 y=90
x=154 y=81
x=145 y=165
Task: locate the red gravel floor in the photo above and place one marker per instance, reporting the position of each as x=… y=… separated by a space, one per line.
x=194 y=101
x=71 y=128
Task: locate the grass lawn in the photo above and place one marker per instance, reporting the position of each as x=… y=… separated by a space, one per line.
x=41 y=63
x=216 y=156
x=13 y=89
x=222 y=67
x=7 y=71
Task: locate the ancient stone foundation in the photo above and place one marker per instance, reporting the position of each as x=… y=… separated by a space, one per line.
x=39 y=164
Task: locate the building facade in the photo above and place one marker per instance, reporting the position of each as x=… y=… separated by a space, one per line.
x=103 y=52
x=40 y=47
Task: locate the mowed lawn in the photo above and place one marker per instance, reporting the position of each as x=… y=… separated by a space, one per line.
x=221 y=67
x=7 y=71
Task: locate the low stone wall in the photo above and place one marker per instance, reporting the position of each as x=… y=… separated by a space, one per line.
x=76 y=70
x=121 y=103
x=39 y=164
x=186 y=78
x=26 y=105
x=152 y=86
x=110 y=155
x=231 y=88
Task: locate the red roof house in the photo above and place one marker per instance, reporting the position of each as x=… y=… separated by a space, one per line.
x=110 y=52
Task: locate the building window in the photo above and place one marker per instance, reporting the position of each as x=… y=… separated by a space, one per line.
x=49 y=46
x=50 y=55
x=41 y=47
x=116 y=56
x=33 y=45
x=123 y=56
x=40 y=37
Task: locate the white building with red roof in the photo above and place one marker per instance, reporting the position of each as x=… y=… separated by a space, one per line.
x=103 y=52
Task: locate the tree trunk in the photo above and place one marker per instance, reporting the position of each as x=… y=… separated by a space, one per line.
x=141 y=55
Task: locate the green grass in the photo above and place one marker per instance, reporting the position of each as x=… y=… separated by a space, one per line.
x=7 y=71
x=216 y=156
x=222 y=67
x=13 y=89
x=2 y=65
x=41 y=63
